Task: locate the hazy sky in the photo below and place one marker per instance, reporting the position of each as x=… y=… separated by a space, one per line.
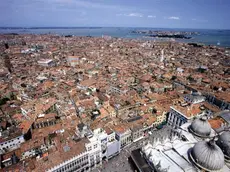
x=123 y=13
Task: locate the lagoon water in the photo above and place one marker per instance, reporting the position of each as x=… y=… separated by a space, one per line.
x=205 y=36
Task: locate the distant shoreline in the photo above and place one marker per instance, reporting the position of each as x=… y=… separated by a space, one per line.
x=219 y=38
x=195 y=44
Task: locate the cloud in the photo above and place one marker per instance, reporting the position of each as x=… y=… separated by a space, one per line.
x=135 y=15
x=174 y=18
x=150 y=16
x=131 y=15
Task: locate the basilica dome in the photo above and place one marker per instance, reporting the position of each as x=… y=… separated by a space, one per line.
x=224 y=143
x=208 y=156
x=200 y=127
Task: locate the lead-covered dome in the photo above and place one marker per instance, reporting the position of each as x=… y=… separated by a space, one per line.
x=208 y=156
x=224 y=143
x=200 y=127
x=224 y=113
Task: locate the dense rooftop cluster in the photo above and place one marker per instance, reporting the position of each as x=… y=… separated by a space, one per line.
x=68 y=103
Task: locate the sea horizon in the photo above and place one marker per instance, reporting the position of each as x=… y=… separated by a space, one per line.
x=217 y=37
x=96 y=27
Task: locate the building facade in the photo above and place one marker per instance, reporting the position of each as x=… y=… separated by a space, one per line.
x=11 y=144
x=215 y=101
x=78 y=163
x=176 y=118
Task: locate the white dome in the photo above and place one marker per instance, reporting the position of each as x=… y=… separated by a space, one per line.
x=224 y=143
x=200 y=127
x=208 y=156
x=224 y=113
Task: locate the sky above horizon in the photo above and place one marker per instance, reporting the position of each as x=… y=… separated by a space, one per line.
x=209 y=14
